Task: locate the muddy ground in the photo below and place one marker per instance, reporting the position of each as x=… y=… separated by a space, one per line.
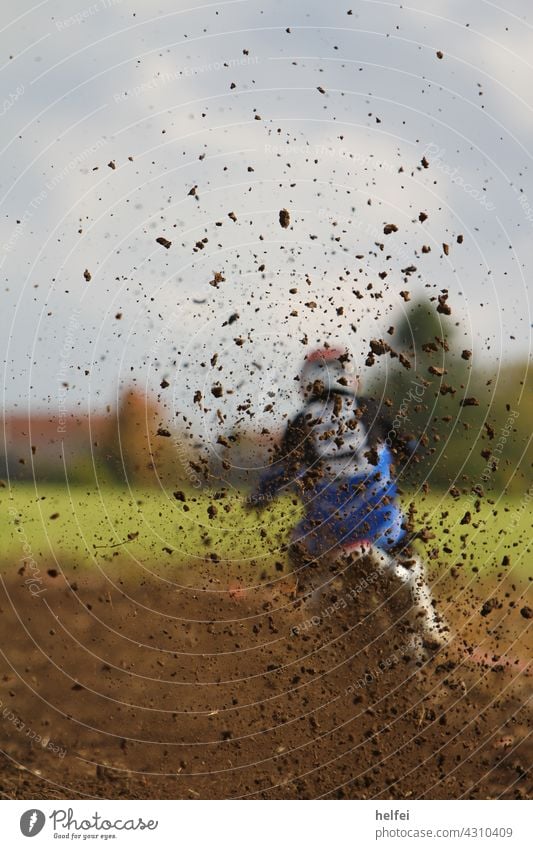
x=146 y=690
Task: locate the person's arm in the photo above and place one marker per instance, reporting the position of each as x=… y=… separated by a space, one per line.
x=382 y=428
x=285 y=468
x=267 y=489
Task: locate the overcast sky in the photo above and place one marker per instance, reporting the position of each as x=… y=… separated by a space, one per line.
x=325 y=109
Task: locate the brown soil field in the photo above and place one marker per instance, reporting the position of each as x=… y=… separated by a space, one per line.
x=148 y=690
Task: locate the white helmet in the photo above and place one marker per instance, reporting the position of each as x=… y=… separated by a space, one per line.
x=328 y=370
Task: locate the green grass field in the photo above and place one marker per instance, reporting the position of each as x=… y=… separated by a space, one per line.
x=81 y=529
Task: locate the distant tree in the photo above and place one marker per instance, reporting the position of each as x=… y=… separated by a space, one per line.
x=502 y=457
x=472 y=423
x=423 y=389
x=421 y=324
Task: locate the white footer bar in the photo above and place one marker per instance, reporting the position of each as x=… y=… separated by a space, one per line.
x=268 y=825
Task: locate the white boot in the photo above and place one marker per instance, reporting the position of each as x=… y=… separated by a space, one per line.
x=434 y=629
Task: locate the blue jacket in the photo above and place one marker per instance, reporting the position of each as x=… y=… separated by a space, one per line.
x=335 y=455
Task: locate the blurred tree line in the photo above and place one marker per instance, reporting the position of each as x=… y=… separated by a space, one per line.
x=130 y=446
x=471 y=422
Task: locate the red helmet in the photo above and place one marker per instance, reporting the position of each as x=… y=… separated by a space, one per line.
x=328 y=370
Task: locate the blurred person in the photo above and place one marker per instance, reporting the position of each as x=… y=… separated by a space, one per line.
x=338 y=454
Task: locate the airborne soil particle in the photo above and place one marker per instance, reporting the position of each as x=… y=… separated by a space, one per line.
x=284 y=218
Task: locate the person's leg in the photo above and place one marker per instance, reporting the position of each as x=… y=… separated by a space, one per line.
x=301 y=553
x=412 y=574
x=434 y=628
x=313 y=548
x=401 y=561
